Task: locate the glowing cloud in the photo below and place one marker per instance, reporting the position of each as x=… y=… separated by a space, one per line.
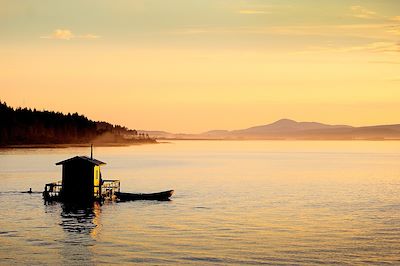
x=253 y=12
x=88 y=36
x=62 y=34
x=396 y=18
x=66 y=34
x=361 y=12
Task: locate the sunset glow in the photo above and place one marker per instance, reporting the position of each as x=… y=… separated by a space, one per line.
x=192 y=66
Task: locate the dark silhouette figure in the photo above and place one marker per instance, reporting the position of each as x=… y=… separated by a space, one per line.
x=81 y=179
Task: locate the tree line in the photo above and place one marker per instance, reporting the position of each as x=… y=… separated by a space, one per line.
x=26 y=126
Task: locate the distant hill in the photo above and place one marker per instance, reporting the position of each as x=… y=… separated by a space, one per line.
x=291 y=130
x=23 y=126
x=286 y=125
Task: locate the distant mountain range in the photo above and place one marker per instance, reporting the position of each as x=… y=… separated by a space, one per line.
x=292 y=130
x=24 y=126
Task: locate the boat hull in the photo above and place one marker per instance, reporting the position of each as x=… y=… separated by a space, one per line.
x=164 y=195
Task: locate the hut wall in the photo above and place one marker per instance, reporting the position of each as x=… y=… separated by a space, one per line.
x=77 y=181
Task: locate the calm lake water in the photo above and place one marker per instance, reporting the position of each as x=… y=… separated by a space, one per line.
x=236 y=202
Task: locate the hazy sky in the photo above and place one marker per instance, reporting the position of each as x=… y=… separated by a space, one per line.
x=195 y=65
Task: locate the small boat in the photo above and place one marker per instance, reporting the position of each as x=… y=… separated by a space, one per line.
x=164 y=195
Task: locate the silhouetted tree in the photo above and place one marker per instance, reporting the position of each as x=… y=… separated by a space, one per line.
x=27 y=126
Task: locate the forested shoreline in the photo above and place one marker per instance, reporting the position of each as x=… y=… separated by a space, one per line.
x=26 y=126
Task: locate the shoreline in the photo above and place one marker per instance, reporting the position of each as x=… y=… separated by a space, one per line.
x=161 y=141
x=277 y=139
x=72 y=145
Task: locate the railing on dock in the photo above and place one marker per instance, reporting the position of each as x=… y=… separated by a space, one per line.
x=109 y=187
x=52 y=190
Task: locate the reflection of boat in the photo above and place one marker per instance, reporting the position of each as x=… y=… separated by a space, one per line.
x=164 y=195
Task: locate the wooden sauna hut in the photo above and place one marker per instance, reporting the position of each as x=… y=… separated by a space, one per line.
x=81 y=182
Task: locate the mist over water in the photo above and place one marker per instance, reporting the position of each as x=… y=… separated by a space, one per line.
x=236 y=202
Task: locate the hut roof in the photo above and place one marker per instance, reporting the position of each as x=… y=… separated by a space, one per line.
x=85 y=158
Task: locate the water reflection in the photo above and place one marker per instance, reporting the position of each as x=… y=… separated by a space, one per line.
x=83 y=219
x=287 y=203
x=81 y=225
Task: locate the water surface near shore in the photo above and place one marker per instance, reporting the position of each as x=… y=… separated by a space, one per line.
x=236 y=202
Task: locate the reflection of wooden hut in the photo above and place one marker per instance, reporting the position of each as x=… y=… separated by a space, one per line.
x=81 y=178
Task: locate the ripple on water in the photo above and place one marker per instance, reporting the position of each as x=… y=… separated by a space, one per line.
x=243 y=203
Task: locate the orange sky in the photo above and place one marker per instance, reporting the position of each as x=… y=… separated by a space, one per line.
x=191 y=66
